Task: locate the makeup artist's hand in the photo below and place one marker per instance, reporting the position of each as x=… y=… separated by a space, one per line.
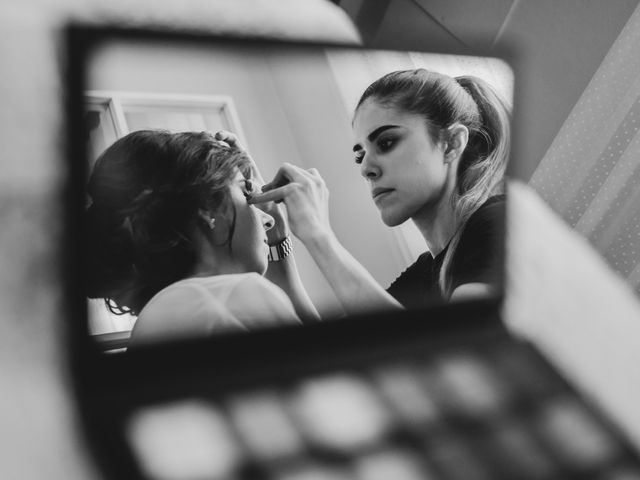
x=306 y=197
x=281 y=227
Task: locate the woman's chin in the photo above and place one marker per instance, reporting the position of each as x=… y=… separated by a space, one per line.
x=260 y=269
x=392 y=219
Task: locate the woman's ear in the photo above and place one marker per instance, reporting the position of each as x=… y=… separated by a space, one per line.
x=215 y=225
x=458 y=136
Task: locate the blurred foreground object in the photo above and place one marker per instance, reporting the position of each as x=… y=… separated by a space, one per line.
x=563 y=297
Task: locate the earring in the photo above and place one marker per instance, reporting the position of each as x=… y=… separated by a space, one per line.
x=210 y=221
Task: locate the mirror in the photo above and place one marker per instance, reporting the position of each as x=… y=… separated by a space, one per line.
x=285 y=103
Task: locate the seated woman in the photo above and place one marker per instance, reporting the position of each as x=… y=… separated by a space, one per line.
x=172 y=239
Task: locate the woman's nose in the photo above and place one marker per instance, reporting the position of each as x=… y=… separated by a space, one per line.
x=369 y=169
x=268 y=221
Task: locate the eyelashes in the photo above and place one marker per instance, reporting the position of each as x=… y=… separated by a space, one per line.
x=248 y=185
x=249 y=188
x=383 y=145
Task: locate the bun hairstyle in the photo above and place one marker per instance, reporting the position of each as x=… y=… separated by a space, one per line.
x=146 y=192
x=444 y=101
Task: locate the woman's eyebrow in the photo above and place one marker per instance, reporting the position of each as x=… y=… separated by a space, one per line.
x=373 y=135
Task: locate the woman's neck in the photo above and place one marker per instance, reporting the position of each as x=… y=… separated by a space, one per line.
x=211 y=259
x=208 y=265
x=437 y=224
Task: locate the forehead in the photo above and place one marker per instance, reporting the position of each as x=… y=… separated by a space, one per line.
x=240 y=176
x=371 y=115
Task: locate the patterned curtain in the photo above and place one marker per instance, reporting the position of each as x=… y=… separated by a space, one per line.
x=591 y=173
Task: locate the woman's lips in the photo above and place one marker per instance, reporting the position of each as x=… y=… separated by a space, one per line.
x=379 y=192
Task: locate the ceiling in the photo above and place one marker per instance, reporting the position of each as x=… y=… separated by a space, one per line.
x=560 y=45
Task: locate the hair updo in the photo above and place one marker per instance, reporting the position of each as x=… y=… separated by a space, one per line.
x=444 y=101
x=146 y=191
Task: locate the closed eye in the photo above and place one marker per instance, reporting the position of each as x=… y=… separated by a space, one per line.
x=249 y=188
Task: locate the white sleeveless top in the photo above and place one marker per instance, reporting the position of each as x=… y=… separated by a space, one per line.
x=203 y=306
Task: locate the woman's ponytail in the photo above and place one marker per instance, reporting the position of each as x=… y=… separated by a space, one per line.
x=482 y=166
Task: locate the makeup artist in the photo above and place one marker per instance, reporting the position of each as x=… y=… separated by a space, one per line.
x=434 y=150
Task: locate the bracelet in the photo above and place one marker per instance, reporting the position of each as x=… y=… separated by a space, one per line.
x=280 y=250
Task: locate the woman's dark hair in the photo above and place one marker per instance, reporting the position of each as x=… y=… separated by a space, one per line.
x=146 y=192
x=444 y=101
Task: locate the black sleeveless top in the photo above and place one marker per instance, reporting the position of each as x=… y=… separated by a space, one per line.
x=479 y=258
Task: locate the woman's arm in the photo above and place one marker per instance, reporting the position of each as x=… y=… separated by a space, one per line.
x=305 y=196
x=284 y=273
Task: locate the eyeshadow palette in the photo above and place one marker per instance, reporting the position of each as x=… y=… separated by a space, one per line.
x=489 y=410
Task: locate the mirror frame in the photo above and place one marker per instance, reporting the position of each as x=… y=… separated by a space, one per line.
x=165 y=371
